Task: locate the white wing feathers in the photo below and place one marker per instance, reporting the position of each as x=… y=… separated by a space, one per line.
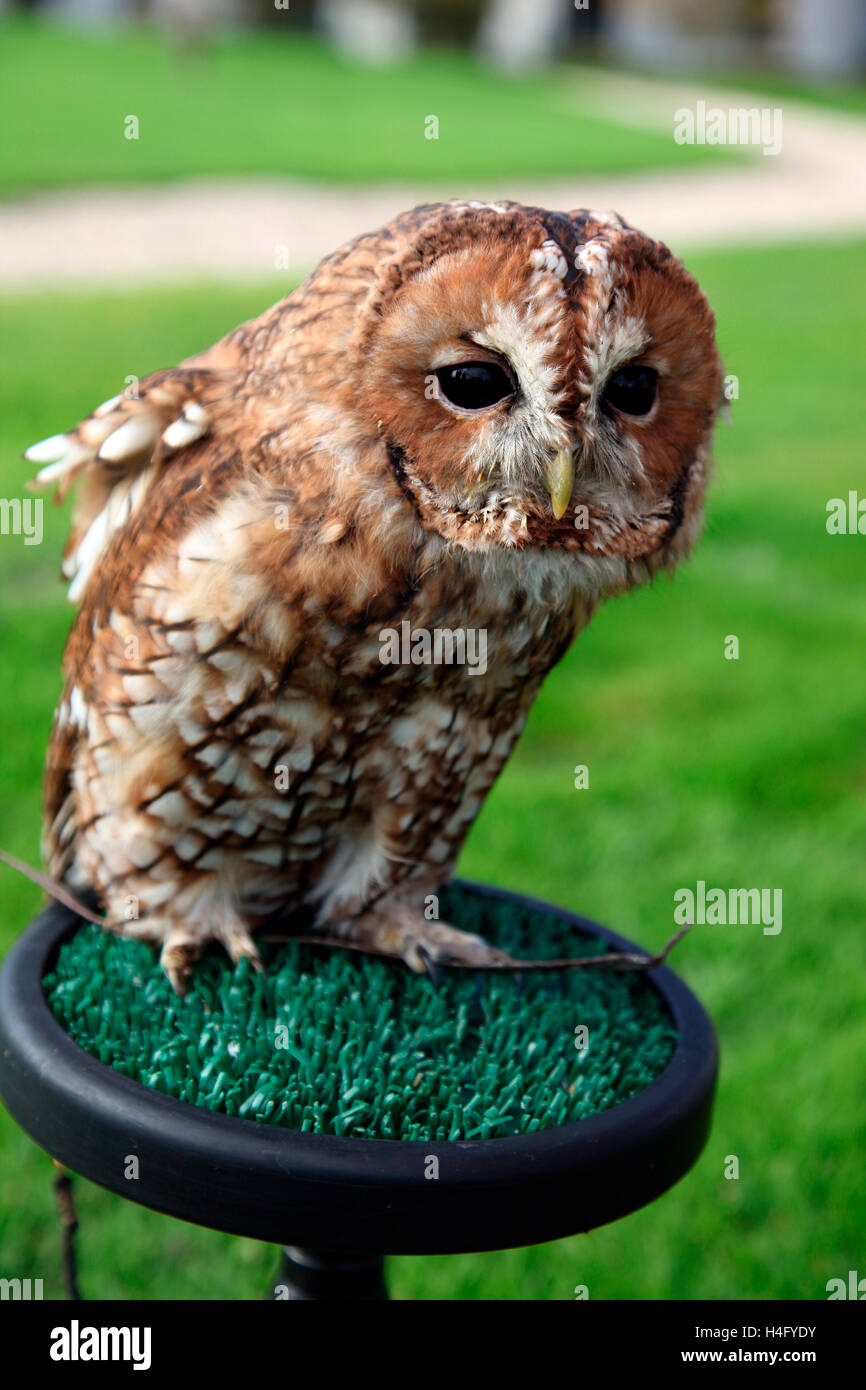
x=116 y=452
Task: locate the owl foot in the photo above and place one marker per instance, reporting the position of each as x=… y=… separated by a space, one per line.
x=180 y=951
x=183 y=943
x=438 y=943
x=239 y=944
x=424 y=946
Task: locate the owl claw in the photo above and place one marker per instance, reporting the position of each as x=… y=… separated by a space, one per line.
x=432 y=945
x=431 y=967
x=177 y=958
x=399 y=929
x=240 y=946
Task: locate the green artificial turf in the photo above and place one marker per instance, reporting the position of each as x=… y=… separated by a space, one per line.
x=747 y=772
x=329 y=1042
x=283 y=103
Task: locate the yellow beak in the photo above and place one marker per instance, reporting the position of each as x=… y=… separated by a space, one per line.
x=559 y=476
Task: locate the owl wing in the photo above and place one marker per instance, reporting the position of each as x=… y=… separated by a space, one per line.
x=117 y=452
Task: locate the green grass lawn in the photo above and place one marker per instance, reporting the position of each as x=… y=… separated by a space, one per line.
x=281 y=104
x=745 y=773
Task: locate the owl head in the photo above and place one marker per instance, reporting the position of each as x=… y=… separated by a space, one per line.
x=541 y=380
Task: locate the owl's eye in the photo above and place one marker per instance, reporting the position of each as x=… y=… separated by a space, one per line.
x=474 y=385
x=632 y=390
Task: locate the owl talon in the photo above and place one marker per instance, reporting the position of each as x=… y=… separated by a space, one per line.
x=426 y=947
x=443 y=945
x=177 y=958
x=431 y=967
x=240 y=946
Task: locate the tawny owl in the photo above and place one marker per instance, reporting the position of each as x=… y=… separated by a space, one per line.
x=475 y=423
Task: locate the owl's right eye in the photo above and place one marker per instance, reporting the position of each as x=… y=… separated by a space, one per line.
x=474 y=385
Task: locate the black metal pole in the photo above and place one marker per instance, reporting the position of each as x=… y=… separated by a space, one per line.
x=322 y=1275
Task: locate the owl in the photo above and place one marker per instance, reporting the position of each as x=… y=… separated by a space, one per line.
x=323 y=568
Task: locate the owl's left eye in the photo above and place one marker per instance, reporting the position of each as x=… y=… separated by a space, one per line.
x=474 y=385
x=632 y=389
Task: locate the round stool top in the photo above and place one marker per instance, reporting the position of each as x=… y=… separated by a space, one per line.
x=342 y=1193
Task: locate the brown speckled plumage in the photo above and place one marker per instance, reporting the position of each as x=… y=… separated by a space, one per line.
x=229 y=744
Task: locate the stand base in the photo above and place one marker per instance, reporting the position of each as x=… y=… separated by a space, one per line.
x=322 y=1276
x=337 y=1202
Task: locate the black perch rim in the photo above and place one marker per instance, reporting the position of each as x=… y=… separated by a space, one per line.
x=343 y=1194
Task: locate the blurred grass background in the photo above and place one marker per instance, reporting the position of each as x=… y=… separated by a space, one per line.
x=265 y=104
x=746 y=773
